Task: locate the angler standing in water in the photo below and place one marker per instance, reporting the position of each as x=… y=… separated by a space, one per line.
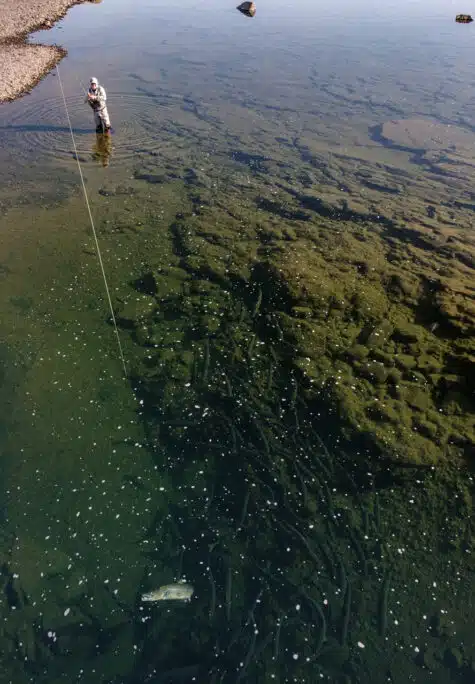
x=96 y=97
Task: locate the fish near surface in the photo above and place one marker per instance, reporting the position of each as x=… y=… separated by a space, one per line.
x=170 y=592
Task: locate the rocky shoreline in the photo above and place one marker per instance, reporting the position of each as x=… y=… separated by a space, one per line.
x=22 y=66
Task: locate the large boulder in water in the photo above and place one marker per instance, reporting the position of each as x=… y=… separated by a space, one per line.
x=247 y=8
x=427 y=134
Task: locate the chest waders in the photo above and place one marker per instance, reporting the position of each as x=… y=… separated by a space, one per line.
x=101 y=116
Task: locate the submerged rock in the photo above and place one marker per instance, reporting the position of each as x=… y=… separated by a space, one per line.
x=135 y=311
x=248 y=8
x=427 y=134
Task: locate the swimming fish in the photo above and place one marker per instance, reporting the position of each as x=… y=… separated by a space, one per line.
x=170 y=592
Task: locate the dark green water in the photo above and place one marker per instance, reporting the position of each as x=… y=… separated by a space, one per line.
x=313 y=556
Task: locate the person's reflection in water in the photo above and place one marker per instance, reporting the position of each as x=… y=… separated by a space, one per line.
x=102 y=149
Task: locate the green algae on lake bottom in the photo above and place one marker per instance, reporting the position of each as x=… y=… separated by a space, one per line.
x=369 y=326
x=300 y=554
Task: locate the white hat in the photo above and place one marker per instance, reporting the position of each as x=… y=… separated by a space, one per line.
x=94 y=80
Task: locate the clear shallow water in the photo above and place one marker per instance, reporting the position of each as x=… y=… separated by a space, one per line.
x=207 y=464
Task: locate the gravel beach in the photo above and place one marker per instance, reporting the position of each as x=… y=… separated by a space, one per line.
x=23 y=65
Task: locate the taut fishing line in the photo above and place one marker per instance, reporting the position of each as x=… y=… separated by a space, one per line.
x=99 y=256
